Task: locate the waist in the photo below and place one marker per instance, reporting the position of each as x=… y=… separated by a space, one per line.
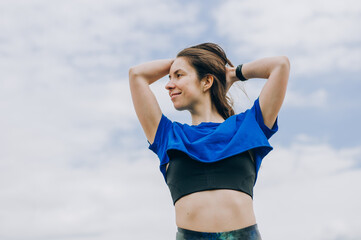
x=249 y=233
x=215 y=211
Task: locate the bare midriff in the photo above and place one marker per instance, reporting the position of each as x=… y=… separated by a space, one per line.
x=219 y=210
x=215 y=211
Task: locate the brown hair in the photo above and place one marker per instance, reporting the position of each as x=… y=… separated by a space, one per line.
x=210 y=59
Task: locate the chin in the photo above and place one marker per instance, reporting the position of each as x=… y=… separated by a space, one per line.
x=180 y=108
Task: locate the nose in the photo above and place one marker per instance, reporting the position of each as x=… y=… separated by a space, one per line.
x=169 y=85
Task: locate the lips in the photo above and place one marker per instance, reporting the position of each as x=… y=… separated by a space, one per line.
x=174 y=94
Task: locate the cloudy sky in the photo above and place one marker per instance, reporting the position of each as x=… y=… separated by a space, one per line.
x=74 y=161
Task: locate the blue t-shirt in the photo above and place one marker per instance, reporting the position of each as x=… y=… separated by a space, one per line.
x=211 y=142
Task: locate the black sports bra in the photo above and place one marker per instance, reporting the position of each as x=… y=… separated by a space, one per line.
x=186 y=175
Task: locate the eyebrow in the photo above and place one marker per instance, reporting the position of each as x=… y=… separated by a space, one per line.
x=175 y=72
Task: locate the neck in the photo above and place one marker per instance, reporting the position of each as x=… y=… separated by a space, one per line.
x=205 y=112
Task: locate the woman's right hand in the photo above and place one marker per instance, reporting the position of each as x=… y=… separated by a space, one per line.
x=151 y=71
x=230 y=77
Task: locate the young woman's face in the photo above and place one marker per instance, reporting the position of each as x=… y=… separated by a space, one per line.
x=184 y=84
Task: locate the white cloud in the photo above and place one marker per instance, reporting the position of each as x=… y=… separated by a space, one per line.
x=317 y=99
x=294 y=98
x=309 y=184
x=88 y=35
x=309 y=191
x=316 y=36
x=114 y=199
x=72 y=163
x=69 y=161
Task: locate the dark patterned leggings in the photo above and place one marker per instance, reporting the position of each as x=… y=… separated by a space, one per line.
x=248 y=233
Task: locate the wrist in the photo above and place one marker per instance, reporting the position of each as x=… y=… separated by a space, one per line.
x=239 y=73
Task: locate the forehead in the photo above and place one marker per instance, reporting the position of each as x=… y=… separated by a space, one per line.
x=182 y=64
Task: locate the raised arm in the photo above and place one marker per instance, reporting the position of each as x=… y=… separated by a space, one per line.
x=145 y=103
x=276 y=70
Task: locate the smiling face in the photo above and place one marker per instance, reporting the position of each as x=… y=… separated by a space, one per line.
x=184 y=84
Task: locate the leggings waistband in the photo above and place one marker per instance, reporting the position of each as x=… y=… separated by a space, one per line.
x=247 y=233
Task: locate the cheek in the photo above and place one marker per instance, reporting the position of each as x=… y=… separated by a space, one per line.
x=188 y=87
x=194 y=91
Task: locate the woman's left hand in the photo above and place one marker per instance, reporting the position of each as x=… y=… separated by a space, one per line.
x=230 y=77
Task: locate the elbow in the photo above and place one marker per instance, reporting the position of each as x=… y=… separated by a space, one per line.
x=281 y=70
x=136 y=75
x=283 y=65
x=284 y=62
x=133 y=72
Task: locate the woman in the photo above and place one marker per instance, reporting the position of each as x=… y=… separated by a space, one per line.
x=210 y=166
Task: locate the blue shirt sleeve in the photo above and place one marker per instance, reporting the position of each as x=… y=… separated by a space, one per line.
x=161 y=138
x=268 y=132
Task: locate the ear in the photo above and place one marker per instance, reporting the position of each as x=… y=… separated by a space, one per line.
x=207 y=82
